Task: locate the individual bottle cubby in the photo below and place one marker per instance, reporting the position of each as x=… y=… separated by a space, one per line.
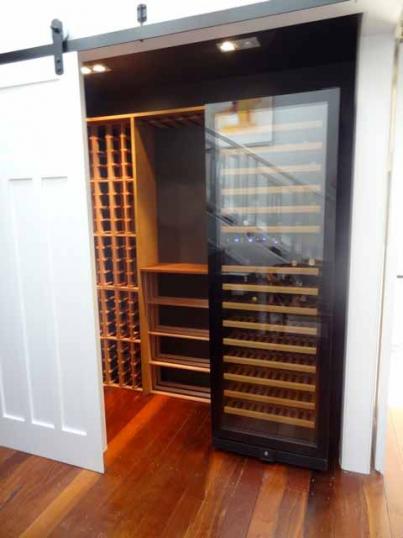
x=113 y=206
x=121 y=363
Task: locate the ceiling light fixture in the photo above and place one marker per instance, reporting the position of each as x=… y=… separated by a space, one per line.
x=226 y=46
x=99 y=68
x=239 y=44
x=95 y=68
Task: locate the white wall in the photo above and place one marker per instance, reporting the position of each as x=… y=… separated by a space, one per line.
x=375 y=72
x=391 y=349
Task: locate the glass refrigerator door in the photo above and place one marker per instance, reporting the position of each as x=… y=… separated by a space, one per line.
x=271 y=201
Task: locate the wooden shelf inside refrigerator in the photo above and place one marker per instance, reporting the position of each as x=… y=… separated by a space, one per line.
x=270 y=395
x=259 y=411
x=275 y=127
x=256 y=341
x=281 y=361
x=271 y=229
x=280 y=269
x=276 y=309
x=278 y=189
x=275 y=209
x=273 y=378
x=270 y=327
x=291 y=168
x=293 y=290
x=275 y=148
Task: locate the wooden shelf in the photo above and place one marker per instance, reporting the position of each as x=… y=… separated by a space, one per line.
x=194 y=396
x=182 y=363
x=293 y=290
x=190 y=302
x=291 y=168
x=181 y=332
x=276 y=148
x=255 y=307
x=271 y=229
x=271 y=209
x=303 y=418
x=283 y=270
x=291 y=329
x=270 y=395
x=294 y=365
x=117 y=287
x=291 y=126
x=177 y=268
x=117 y=234
x=272 y=346
x=271 y=378
x=121 y=339
x=283 y=189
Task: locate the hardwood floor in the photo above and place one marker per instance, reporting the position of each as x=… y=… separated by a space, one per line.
x=164 y=480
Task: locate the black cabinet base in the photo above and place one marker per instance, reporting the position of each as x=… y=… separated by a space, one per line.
x=271 y=456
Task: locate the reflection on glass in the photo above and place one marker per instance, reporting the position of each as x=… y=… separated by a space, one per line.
x=269 y=168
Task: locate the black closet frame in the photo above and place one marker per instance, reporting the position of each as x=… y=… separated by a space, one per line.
x=161 y=29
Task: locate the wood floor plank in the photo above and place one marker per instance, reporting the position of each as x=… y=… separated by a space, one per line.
x=238 y=514
x=222 y=476
x=122 y=406
x=5 y=453
x=28 y=490
x=393 y=478
x=292 y=509
x=61 y=505
x=350 y=518
x=320 y=513
x=265 y=515
x=126 y=472
x=375 y=500
x=148 y=512
x=163 y=480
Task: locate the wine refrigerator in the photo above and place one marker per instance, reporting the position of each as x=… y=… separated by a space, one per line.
x=272 y=193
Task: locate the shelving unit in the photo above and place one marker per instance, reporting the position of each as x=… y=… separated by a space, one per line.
x=157 y=331
x=113 y=202
x=124 y=187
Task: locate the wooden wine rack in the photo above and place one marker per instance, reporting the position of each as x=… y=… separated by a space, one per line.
x=113 y=202
x=270 y=370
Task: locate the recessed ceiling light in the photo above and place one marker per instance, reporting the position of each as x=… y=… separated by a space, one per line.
x=226 y=46
x=99 y=68
x=95 y=68
x=239 y=44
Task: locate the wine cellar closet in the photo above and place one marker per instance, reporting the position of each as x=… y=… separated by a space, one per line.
x=214 y=232
x=150 y=236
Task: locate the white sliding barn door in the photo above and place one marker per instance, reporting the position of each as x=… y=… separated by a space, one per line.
x=50 y=389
